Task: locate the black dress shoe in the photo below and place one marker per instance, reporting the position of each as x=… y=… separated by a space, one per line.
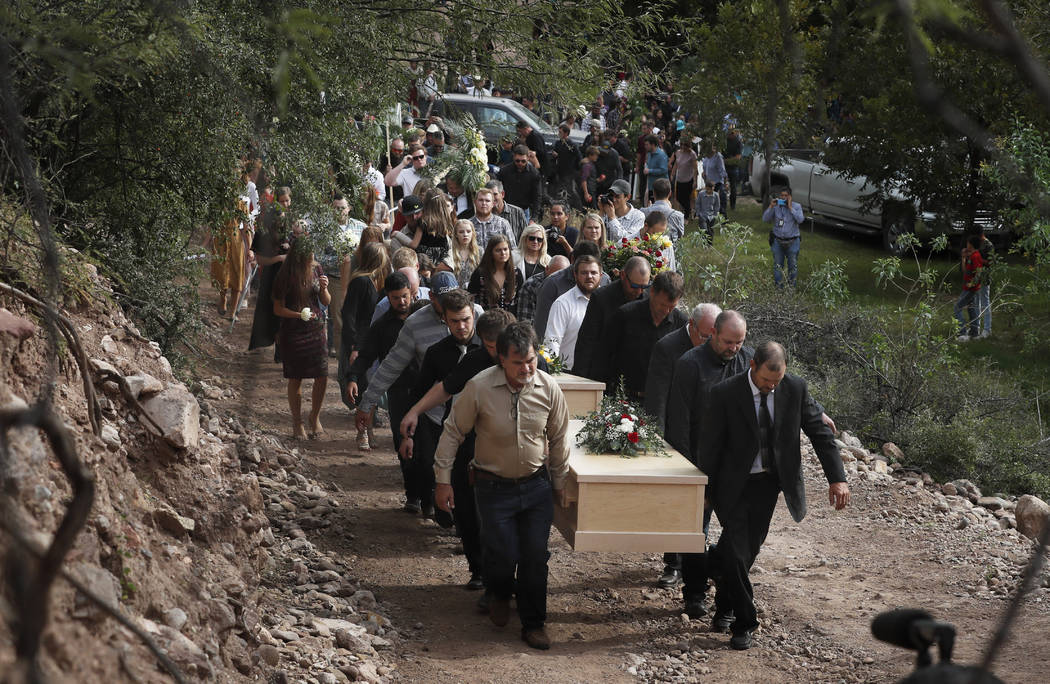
x=695 y=608
x=499 y=611
x=672 y=577
x=722 y=622
x=427 y=509
x=412 y=506
x=741 y=641
x=475 y=582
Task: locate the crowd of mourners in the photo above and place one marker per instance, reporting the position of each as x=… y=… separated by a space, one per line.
x=435 y=300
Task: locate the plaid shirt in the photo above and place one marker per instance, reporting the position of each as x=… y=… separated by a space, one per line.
x=527 y=297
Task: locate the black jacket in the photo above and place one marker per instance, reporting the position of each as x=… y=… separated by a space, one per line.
x=605 y=300
x=661 y=369
x=522 y=188
x=730 y=444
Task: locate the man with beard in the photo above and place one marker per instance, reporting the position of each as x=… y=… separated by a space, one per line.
x=521 y=462
x=563 y=324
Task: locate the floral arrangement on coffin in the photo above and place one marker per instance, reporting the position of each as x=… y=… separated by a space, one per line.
x=620 y=427
x=555 y=363
x=615 y=255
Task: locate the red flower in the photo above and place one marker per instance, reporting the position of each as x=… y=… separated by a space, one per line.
x=625 y=241
x=632 y=437
x=659 y=253
x=659 y=264
x=624 y=416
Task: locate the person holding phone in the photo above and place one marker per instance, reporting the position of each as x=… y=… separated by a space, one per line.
x=785 y=239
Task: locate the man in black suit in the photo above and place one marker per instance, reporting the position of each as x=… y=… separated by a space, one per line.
x=632 y=284
x=752 y=452
x=657 y=388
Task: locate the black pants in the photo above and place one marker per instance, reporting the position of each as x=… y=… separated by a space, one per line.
x=398 y=402
x=697 y=567
x=424 y=445
x=466 y=511
x=723 y=202
x=683 y=192
x=736 y=175
x=744 y=529
x=515 y=525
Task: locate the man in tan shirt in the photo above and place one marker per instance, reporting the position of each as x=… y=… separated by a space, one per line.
x=516 y=412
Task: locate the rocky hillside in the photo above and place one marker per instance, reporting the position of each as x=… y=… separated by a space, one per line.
x=196 y=533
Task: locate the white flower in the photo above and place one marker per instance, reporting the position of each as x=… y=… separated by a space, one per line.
x=306 y=314
x=626 y=425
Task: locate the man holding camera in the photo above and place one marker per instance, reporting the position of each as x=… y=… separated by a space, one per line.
x=621 y=219
x=785 y=238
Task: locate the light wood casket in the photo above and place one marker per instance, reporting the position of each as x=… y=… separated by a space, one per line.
x=581 y=394
x=647 y=504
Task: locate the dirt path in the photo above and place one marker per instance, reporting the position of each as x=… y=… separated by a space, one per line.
x=818 y=583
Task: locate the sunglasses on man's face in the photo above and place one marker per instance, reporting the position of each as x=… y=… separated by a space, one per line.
x=640 y=286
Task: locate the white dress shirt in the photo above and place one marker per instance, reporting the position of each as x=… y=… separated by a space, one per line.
x=756 y=465
x=563 y=324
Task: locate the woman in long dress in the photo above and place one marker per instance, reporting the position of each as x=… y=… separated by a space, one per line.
x=271 y=245
x=229 y=247
x=299 y=291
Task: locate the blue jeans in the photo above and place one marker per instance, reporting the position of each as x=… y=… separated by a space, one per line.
x=967 y=302
x=984 y=308
x=788 y=251
x=515 y=525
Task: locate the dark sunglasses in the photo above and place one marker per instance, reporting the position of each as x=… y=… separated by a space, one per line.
x=636 y=286
x=535 y=238
x=419 y=156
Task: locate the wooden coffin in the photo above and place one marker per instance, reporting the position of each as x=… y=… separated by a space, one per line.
x=648 y=504
x=581 y=394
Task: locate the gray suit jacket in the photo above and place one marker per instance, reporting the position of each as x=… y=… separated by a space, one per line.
x=731 y=441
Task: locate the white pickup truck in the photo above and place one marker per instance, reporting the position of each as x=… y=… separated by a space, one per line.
x=831 y=198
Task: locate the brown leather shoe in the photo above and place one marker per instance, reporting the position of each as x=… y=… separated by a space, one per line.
x=499 y=611
x=536 y=638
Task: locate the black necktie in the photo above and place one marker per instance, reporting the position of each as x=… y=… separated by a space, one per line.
x=765 y=433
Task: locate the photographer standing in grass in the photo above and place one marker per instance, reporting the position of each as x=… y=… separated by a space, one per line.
x=785 y=238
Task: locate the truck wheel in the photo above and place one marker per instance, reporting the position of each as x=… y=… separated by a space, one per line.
x=895 y=224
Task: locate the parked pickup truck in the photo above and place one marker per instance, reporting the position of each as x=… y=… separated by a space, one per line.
x=829 y=197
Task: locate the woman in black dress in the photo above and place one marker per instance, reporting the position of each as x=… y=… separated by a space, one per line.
x=362 y=294
x=299 y=291
x=495 y=283
x=270 y=245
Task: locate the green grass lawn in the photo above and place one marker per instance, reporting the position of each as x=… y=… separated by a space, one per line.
x=859 y=253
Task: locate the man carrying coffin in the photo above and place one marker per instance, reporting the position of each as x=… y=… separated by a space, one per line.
x=520 y=416
x=751 y=453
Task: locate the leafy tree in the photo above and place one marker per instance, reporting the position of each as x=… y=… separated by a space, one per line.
x=136 y=114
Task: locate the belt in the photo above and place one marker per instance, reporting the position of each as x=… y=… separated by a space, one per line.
x=485 y=475
x=762 y=474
